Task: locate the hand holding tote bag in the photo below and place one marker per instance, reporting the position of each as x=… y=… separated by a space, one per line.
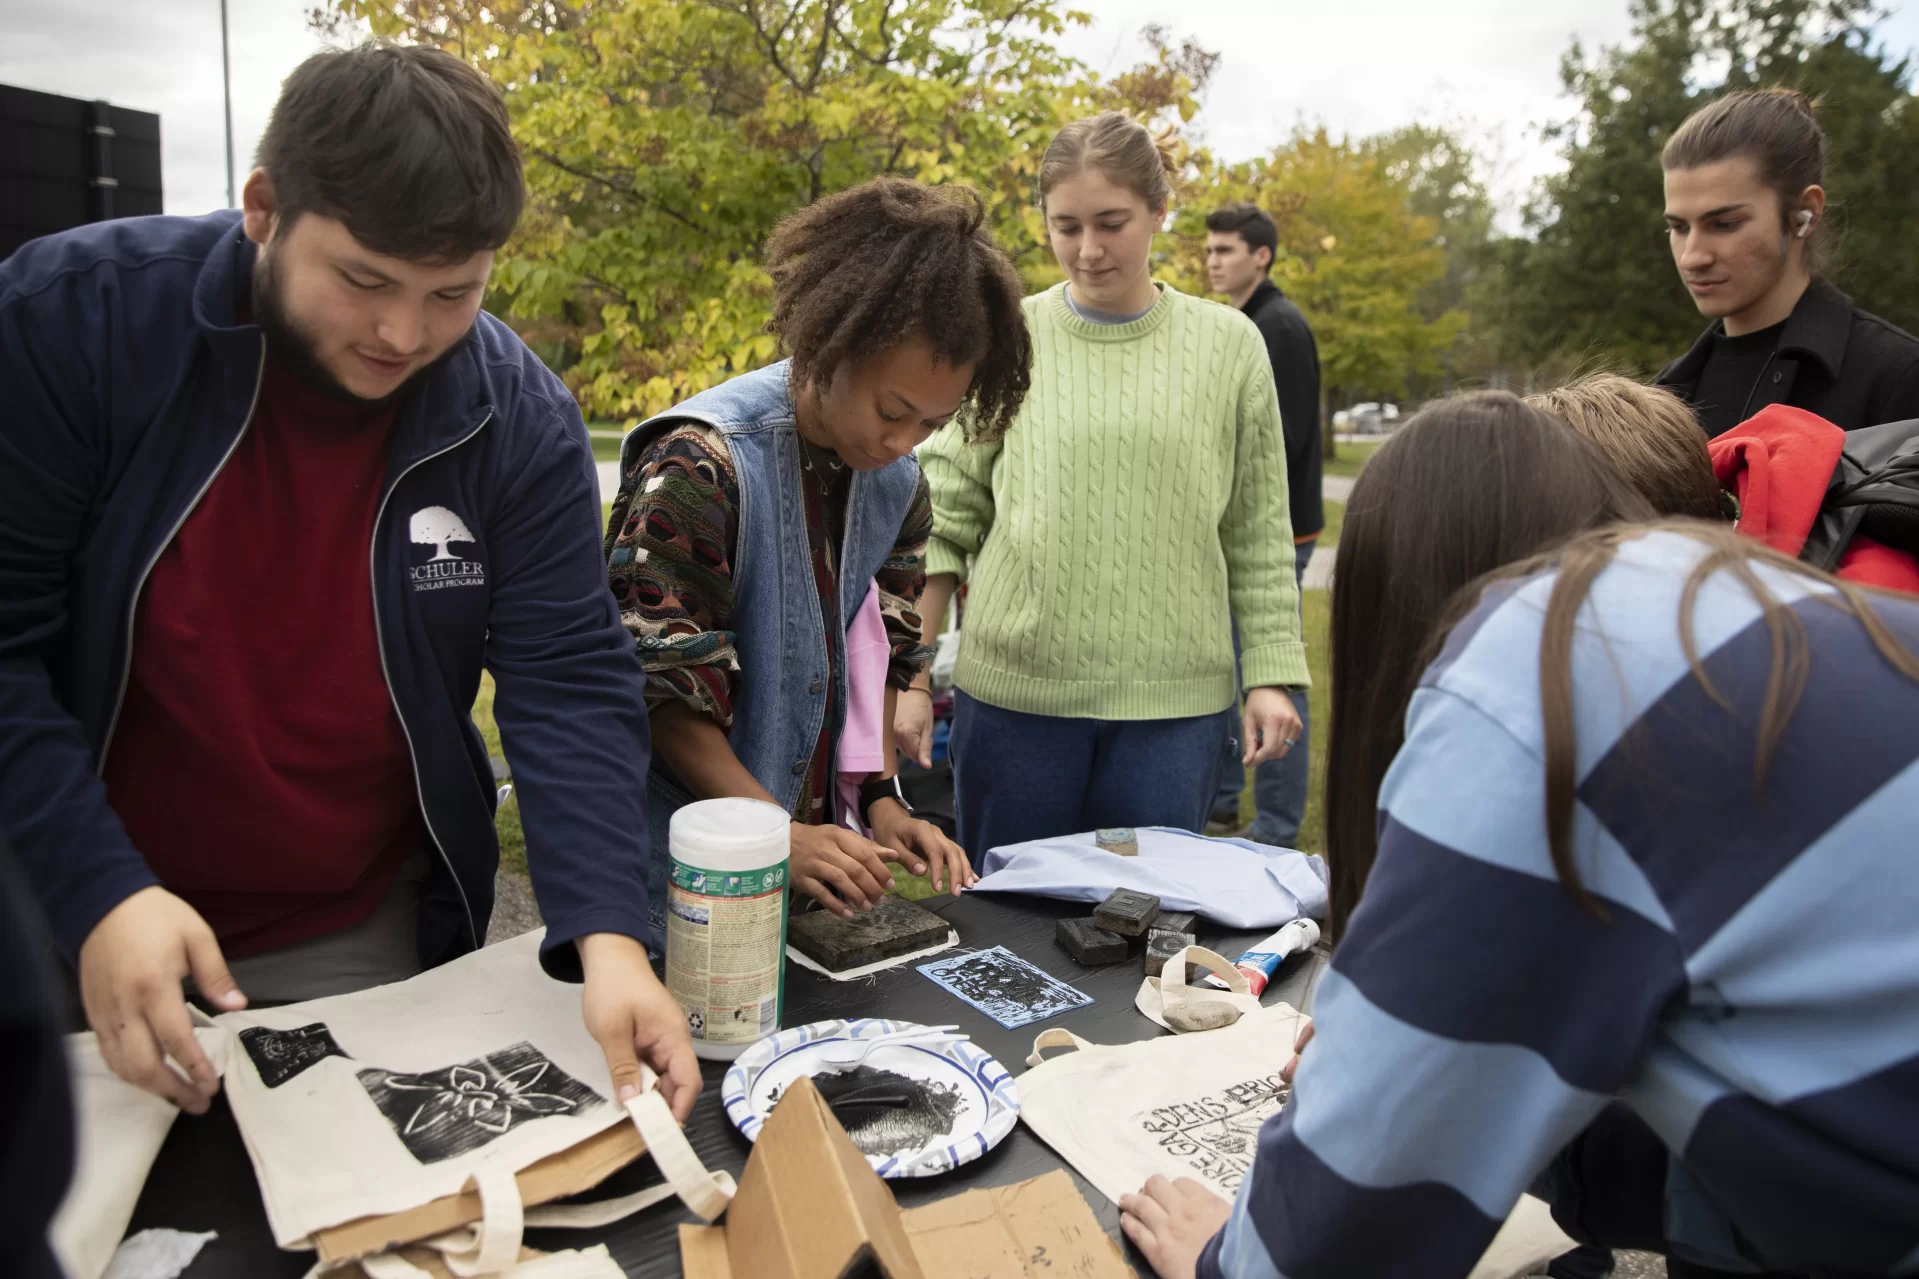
x=407 y=1111
x=1192 y=1106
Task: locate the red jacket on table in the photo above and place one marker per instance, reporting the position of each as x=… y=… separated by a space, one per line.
x=1778 y=464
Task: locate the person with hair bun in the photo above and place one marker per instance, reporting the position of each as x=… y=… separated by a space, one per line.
x=1136 y=507
x=755 y=518
x=1746 y=212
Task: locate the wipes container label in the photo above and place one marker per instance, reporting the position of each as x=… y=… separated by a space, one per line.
x=725 y=950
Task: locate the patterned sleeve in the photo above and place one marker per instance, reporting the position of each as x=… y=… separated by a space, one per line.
x=670 y=544
x=901 y=581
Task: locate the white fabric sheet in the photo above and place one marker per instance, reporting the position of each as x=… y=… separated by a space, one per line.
x=1234 y=882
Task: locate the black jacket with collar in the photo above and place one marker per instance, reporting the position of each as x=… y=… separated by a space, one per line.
x=1295 y=360
x=1847 y=365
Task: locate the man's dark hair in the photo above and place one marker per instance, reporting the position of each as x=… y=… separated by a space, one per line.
x=1250 y=223
x=408 y=146
x=890 y=260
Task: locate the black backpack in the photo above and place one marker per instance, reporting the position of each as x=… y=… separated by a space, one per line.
x=1874 y=490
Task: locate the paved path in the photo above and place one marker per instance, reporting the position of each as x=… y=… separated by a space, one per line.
x=1319 y=569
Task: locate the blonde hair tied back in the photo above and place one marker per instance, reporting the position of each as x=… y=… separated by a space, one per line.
x=1121 y=148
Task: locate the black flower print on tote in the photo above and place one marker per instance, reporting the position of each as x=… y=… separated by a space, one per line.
x=442 y=1113
x=279 y=1055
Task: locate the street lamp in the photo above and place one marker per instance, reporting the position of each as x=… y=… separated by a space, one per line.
x=226 y=78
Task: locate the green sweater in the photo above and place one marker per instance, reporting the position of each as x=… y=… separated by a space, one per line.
x=1137 y=505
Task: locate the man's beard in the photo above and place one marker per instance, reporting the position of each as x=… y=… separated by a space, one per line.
x=296 y=350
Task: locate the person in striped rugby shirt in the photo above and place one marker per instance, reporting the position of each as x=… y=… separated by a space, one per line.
x=1639 y=936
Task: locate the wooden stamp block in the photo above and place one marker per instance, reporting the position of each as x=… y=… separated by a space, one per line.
x=892 y=928
x=1127 y=913
x=1161 y=945
x=1089 y=945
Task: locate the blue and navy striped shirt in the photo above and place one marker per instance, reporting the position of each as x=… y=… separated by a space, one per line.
x=1755 y=997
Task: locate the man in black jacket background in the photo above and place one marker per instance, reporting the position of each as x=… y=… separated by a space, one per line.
x=1241 y=241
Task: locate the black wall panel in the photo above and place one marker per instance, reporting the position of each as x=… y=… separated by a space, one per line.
x=64 y=161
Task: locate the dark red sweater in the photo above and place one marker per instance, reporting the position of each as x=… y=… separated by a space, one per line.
x=258 y=764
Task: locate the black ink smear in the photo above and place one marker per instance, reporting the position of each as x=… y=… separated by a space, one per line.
x=279 y=1055
x=926 y=1114
x=1217 y=1134
x=1007 y=988
x=443 y=1113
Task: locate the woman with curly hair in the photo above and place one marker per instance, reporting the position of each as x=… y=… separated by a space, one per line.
x=754 y=519
x=1136 y=508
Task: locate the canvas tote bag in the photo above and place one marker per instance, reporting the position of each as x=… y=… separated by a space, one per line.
x=416 y=1112
x=1192 y=1106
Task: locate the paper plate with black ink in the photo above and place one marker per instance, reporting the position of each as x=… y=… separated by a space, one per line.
x=913 y=1111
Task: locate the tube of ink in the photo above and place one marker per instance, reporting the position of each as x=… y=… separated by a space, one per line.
x=1262 y=961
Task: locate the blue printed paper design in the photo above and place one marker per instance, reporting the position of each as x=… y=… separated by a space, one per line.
x=1005 y=987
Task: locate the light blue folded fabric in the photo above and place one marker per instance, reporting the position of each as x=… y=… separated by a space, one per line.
x=1234 y=882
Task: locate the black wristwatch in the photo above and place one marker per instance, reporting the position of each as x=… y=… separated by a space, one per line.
x=873 y=792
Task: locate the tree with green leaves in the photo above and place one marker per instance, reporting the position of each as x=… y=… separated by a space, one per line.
x=1594 y=281
x=665 y=138
x=1356 y=252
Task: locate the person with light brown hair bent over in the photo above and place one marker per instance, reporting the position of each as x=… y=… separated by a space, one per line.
x=1648 y=435
x=1773 y=475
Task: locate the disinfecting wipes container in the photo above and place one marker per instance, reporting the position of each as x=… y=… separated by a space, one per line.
x=726 y=921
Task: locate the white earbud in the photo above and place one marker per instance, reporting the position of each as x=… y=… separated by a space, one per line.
x=1805 y=223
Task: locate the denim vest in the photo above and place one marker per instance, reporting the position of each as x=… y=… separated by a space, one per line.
x=779 y=701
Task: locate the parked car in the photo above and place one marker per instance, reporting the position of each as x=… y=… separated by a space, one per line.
x=1367 y=419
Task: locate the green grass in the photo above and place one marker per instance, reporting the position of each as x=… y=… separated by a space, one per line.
x=506 y=822
x=605 y=450
x=1316 y=608
x=1335 y=516
x=1351 y=458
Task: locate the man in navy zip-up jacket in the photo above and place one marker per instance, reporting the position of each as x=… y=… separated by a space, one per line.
x=273 y=491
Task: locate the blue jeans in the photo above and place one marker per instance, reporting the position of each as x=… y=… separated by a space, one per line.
x=1018 y=777
x=1279 y=785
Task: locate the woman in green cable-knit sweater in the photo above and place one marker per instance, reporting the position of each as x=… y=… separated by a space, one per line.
x=1136 y=506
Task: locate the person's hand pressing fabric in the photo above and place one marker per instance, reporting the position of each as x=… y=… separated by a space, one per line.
x=921 y=846
x=634 y=1019
x=842 y=870
x=131 y=968
x=1171 y=1222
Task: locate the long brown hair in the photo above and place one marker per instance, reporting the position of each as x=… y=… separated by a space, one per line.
x=1579 y=563
x=1470 y=484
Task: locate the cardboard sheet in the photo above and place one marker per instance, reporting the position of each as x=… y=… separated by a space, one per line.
x=809 y=1207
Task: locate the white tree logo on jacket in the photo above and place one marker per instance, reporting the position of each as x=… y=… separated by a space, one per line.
x=436 y=526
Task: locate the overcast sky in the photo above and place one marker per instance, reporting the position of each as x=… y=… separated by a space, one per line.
x=1358 y=65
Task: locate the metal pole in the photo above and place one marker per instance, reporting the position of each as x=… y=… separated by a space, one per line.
x=226 y=77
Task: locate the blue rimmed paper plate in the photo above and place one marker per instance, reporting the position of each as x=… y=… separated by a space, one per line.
x=912 y=1111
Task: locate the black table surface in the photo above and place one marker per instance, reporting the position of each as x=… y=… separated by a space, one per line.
x=203 y=1179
